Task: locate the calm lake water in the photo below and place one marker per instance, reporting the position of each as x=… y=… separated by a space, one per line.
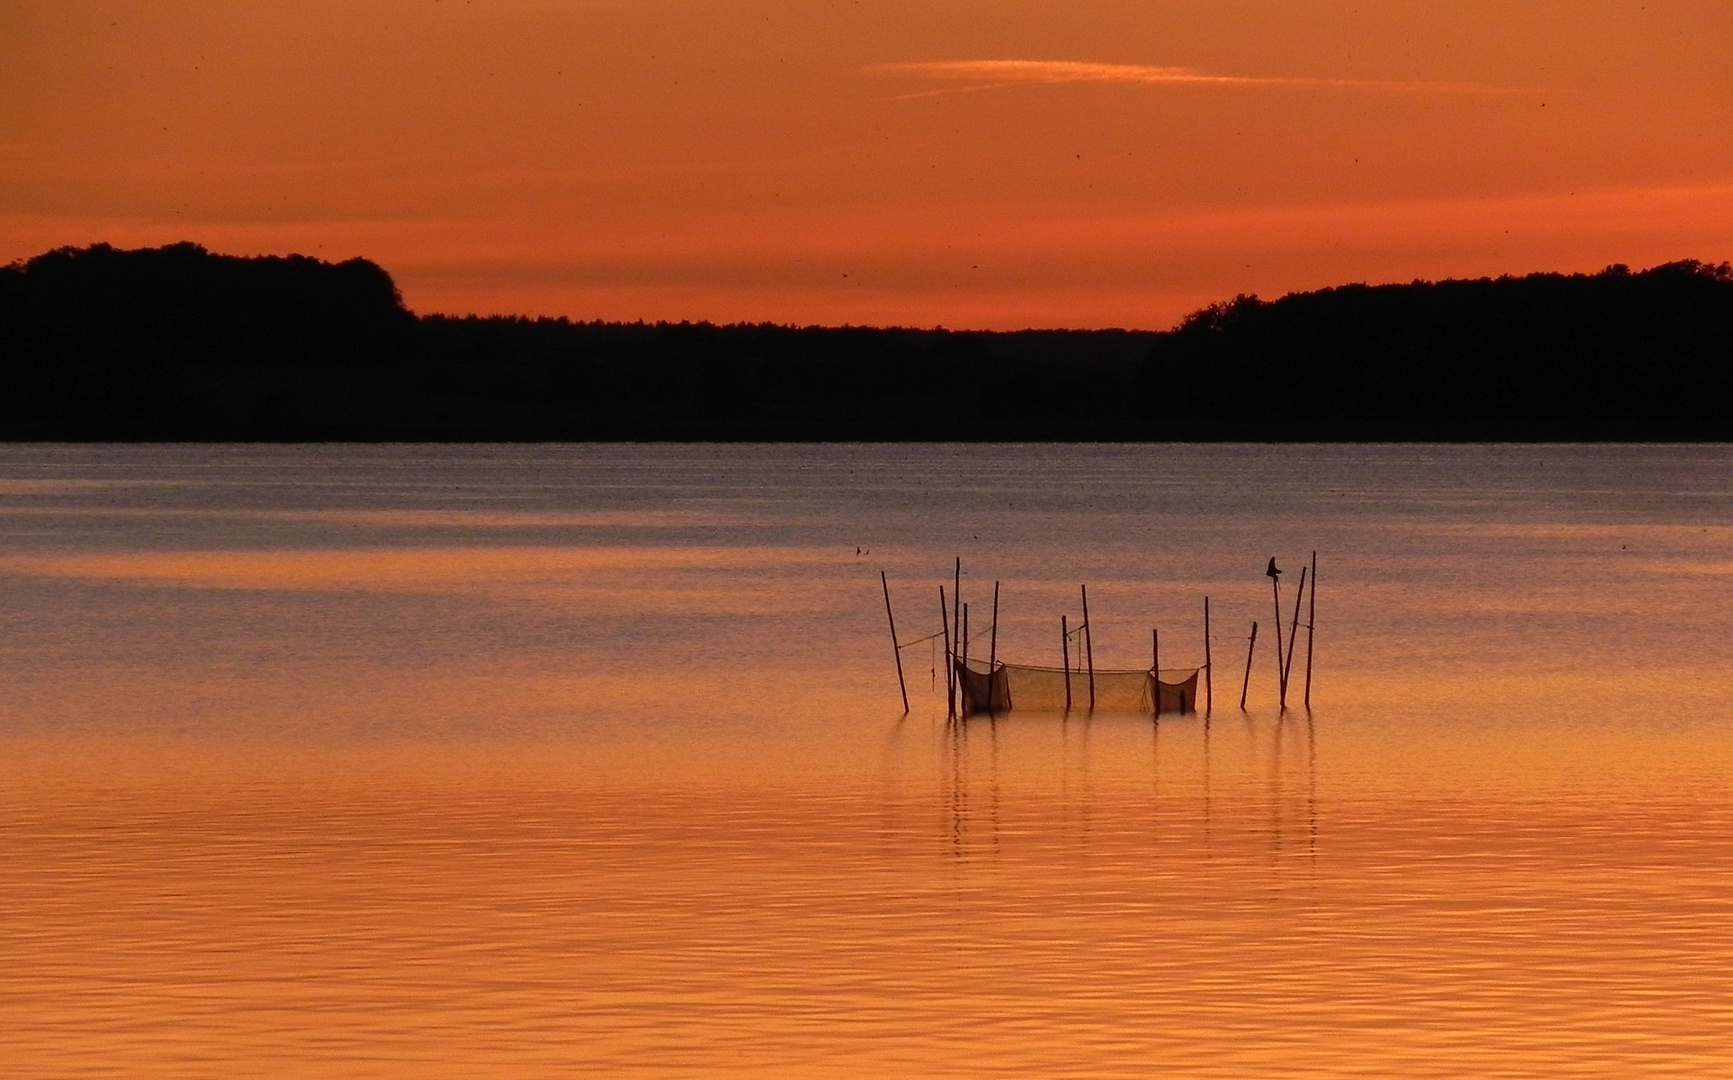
x=589 y=761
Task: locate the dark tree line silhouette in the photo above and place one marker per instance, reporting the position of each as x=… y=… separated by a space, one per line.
x=175 y=342
x=179 y=343
x=1608 y=356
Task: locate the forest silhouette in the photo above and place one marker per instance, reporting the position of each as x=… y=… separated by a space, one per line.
x=177 y=343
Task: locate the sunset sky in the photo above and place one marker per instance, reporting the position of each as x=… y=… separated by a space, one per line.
x=958 y=162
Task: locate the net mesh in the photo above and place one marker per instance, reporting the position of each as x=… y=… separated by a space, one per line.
x=1026 y=687
x=1179 y=690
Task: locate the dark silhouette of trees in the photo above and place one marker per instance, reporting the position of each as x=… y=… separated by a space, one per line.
x=178 y=343
x=175 y=341
x=1613 y=355
x=699 y=380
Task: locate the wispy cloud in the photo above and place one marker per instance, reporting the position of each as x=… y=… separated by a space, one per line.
x=993 y=74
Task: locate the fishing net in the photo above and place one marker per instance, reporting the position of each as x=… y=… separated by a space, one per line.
x=1026 y=687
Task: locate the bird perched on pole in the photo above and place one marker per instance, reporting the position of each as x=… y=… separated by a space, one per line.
x=1272 y=572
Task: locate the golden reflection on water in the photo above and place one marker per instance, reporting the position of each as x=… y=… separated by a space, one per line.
x=477 y=800
x=1090 y=896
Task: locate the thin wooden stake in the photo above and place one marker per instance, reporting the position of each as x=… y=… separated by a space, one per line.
x=1065 y=658
x=993 y=655
x=1293 y=637
x=950 y=660
x=1155 y=635
x=962 y=671
x=1089 y=646
x=896 y=650
x=1208 y=691
x=993 y=637
x=1250 y=648
x=1311 y=627
x=1281 y=676
x=956 y=615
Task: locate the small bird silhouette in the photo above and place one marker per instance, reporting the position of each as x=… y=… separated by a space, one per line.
x=1272 y=571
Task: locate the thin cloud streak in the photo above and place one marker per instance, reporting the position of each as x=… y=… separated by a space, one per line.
x=1002 y=73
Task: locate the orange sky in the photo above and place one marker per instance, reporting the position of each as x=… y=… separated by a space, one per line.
x=961 y=162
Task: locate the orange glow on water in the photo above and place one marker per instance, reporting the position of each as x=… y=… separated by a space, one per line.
x=487 y=569
x=1072 y=902
x=404 y=761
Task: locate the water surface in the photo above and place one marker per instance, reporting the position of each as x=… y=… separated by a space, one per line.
x=476 y=762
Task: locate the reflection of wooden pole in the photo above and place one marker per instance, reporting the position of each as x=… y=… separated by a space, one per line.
x=1250 y=648
x=896 y=650
x=950 y=660
x=1293 y=636
x=1208 y=690
x=1155 y=646
x=1281 y=676
x=1088 y=646
x=1311 y=627
x=1065 y=658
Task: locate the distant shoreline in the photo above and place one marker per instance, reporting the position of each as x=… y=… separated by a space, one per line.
x=177 y=344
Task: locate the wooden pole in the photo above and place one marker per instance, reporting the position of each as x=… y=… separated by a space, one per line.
x=963 y=668
x=1281 y=677
x=950 y=660
x=1311 y=627
x=993 y=637
x=1250 y=648
x=993 y=655
x=1088 y=646
x=896 y=650
x=1065 y=658
x=956 y=615
x=1156 y=646
x=1208 y=672
x=1293 y=636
